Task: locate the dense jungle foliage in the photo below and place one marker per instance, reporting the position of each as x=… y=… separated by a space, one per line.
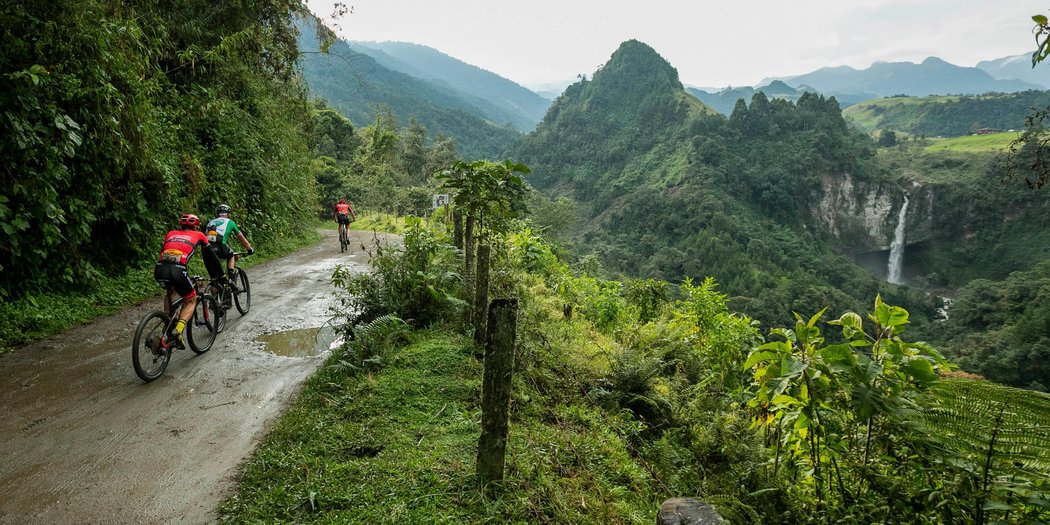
x=118 y=117
x=947 y=116
x=382 y=166
x=1001 y=329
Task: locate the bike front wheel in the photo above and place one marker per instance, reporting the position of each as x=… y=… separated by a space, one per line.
x=204 y=325
x=149 y=355
x=242 y=296
x=223 y=300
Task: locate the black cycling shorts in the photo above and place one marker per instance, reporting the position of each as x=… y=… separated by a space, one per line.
x=342 y=218
x=221 y=250
x=175 y=275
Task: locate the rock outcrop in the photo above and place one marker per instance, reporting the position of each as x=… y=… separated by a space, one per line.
x=861 y=216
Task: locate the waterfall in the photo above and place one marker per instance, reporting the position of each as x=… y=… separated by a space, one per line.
x=897 y=246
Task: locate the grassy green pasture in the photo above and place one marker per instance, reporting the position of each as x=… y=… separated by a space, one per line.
x=974 y=143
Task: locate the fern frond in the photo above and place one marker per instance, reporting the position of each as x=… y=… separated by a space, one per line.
x=372 y=340
x=976 y=419
x=379 y=331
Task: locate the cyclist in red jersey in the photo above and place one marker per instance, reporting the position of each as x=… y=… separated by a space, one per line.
x=179 y=246
x=342 y=214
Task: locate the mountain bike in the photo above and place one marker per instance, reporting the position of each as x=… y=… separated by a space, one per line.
x=234 y=292
x=155 y=336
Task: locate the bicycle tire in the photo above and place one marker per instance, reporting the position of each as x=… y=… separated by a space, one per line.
x=243 y=296
x=222 y=292
x=342 y=240
x=203 y=328
x=148 y=355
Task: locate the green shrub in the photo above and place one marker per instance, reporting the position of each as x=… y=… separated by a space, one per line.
x=417 y=282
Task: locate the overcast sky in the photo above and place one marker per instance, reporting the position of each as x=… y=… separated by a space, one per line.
x=712 y=44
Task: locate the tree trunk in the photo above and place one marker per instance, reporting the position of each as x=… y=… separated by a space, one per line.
x=468 y=255
x=481 y=293
x=495 y=398
x=457 y=228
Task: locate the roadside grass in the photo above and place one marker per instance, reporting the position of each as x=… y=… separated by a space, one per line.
x=398 y=445
x=388 y=223
x=991 y=142
x=39 y=315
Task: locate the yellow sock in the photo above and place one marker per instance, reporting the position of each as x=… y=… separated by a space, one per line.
x=179 y=327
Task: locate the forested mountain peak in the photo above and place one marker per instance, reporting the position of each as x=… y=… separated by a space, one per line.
x=637 y=70
x=633 y=103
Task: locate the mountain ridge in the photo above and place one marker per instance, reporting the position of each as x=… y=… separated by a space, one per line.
x=358 y=87
x=520 y=106
x=932 y=76
x=1017 y=67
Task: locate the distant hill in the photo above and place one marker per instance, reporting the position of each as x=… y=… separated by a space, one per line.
x=502 y=100
x=946 y=116
x=357 y=86
x=931 y=77
x=724 y=100
x=1017 y=67
x=550 y=90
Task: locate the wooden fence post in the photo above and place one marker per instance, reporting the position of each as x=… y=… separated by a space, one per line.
x=481 y=293
x=495 y=395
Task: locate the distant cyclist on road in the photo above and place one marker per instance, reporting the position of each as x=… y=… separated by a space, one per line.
x=342 y=214
x=219 y=231
x=179 y=247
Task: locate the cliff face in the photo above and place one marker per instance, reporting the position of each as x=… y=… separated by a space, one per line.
x=861 y=216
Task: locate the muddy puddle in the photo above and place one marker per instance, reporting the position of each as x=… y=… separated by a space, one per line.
x=301 y=342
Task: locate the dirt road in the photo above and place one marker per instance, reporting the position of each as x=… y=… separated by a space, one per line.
x=83 y=440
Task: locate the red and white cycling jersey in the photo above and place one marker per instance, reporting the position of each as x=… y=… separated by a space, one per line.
x=179 y=246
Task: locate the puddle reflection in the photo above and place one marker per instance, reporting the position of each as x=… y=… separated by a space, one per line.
x=303 y=342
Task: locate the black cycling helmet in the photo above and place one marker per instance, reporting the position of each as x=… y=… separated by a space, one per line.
x=189 y=221
x=224 y=208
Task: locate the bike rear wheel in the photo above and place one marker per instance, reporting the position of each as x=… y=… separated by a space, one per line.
x=342 y=239
x=149 y=355
x=203 y=326
x=242 y=296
